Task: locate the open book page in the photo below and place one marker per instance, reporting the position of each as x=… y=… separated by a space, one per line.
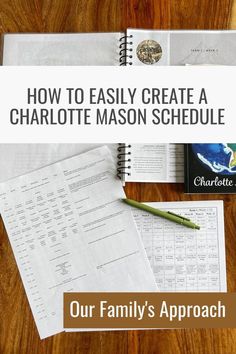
x=62 y=49
x=154 y=163
x=70 y=232
x=203 y=47
x=138 y=44
x=182 y=47
x=19 y=159
x=183 y=259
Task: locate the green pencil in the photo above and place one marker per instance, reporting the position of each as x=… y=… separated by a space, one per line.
x=163 y=214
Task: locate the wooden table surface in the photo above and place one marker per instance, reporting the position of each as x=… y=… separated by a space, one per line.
x=18 y=334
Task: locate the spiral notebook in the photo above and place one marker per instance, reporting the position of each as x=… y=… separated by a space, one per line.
x=150 y=162
x=135 y=46
x=134 y=163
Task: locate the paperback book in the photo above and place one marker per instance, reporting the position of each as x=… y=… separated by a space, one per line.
x=210 y=168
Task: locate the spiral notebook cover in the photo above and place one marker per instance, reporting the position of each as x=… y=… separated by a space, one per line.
x=62 y=49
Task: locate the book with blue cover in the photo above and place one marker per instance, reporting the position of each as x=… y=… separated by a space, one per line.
x=210 y=168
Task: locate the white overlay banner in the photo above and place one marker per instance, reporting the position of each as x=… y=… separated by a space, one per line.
x=118 y=104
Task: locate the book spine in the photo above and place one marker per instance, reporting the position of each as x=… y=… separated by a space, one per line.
x=1 y=48
x=125 y=47
x=186 y=168
x=123 y=161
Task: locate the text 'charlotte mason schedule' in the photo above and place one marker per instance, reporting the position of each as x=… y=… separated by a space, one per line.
x=70 y=232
